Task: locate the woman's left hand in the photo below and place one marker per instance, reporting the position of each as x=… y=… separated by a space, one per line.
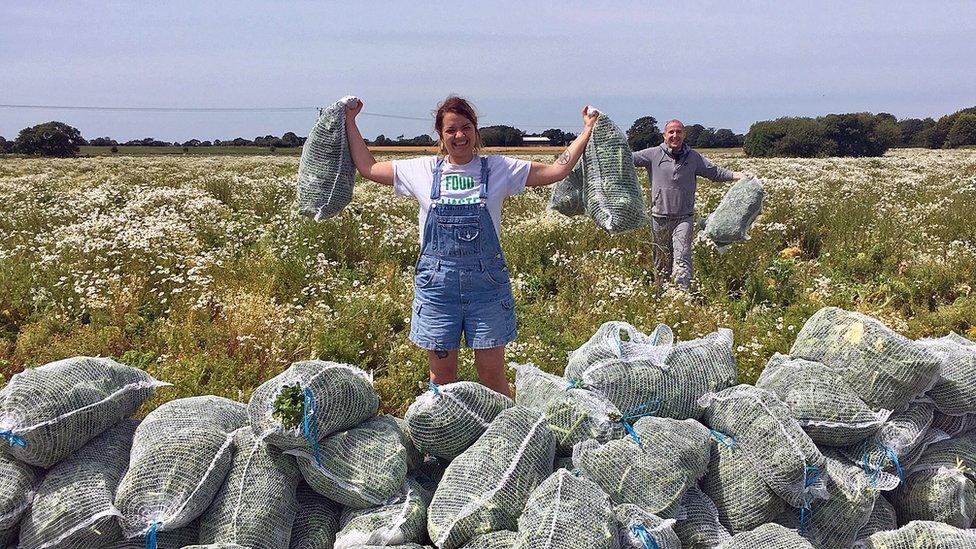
x=589 y=117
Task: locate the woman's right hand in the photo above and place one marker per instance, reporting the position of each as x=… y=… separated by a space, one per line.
x=354 y=109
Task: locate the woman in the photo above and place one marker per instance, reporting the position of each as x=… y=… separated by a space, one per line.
x=462 y=283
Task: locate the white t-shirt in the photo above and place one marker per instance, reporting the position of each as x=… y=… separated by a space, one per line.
x=461 y=183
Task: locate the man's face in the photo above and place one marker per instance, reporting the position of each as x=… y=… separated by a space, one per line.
x=674 y=135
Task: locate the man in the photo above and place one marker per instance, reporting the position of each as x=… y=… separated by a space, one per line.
x=672 y=168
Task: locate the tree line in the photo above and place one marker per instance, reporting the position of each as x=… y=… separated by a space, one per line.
x=852 y=134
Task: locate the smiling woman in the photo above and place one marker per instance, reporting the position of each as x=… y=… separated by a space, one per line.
x=462 y=282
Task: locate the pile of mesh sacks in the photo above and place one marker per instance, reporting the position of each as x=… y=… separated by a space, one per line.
x=859 y=437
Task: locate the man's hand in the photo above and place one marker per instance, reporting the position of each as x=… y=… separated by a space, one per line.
x=742 y=175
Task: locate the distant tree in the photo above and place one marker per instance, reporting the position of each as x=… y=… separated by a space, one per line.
x=706 y=139
x=939 y=134
x=383 y=141
x=557 y=137
x=727 y=138
x=241 y=142
x=192 y=143
x=205 y=144
x=49 y=139
x=103 y=142
x=963 y=131
x=419 y=141
x=501 y=136
x=5 y=146
x=913 y=131
x=114 y=149
x=855 y=134
x=289 y=139
x=217 y=142
x=644 y=133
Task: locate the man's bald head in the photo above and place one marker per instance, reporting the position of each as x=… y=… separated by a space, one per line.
x=674 y=134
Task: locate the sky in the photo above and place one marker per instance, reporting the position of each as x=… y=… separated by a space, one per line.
x=532 y=65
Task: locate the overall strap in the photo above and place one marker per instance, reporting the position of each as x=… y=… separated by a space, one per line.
x=484 y=179
x=435 y=185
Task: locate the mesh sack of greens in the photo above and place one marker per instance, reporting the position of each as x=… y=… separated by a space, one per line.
x=838 y=520
x=942 y=485
x=923 y=534
x=612 y=193
x=402 y=519
x=767 y=536
x=257 y=504
x=621 y=341
x=700 y=527
x=573 y=415
x=567 y=195
x=181 y=453
x=736 y=212
x=309 y=401
x=820 y=400
x=325 y=172
x=18 y=481
x=359 y=467
x=886 y=369
x=638 y=529
x=653 y=467
x=317 y=521
x=740 y=496
x=447 y=419
x=955 y=392
x=899 y=442
x=883 y=518
x=188 y=536
x=49 y=412
x=567 y=511
x=428 y=472
x=953 y=426
x=501 y=539
x=73 y=505
x=486 y=487
x=216 y=546
x=767 y=435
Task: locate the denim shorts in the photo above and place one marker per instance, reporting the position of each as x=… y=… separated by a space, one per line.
x=470 y=298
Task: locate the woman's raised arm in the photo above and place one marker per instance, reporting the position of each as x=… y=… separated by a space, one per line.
x=380 y=172
x=547 y=174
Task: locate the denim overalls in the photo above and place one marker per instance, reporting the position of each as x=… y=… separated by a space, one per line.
x=462 y=282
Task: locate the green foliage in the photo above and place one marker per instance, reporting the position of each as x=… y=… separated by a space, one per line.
x=289 y=406
x=938 y=136
x=49 y=139
x=644 y=133
x=857 y=134
x=963 y=131
x=500 y=136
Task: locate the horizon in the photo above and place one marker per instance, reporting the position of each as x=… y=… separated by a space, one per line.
x=526 y=66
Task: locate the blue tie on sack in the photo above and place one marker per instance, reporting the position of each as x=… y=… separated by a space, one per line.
x=310 y=427
x=649 y=408
x=13 y=439
x=640 y=532
x=874 y=472
x=811 y=474
x=151 y=536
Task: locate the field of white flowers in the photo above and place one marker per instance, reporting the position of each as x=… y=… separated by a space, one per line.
x=199 y=270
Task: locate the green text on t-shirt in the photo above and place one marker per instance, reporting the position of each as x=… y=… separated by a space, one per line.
x=454 y=182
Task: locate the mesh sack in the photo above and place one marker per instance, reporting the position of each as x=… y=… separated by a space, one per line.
x=923 y=534
x=309 y=401
x=955 y=392
x=567 y=511
x=429 y=472
x=486 y=487
x=639 y=529
x=653 y=467
x=767 y=536
x=181 y=538
x=567 y=195
x=360 y=467
x=403 y=519
x=886 y=369
x=736 y=212
x=954 y=425
x=882 y=519
x=769 y=438
x=326 y=172
x=257 y=504
x=447 y=419
x=181 y=453
x=612 y=193
x=18 y=481
x=47 y=413
x=617 y=340
x=216 y=546
x=700 y=529
x=573 y=415
x=898 y=443
x=941 y=485
x=502 y=539
x=820 y=400
x=73 y=506
x=317 y=521
x=740 y=496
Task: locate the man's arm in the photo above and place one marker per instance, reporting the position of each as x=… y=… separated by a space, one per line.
x=642 y=158
x=716 y=173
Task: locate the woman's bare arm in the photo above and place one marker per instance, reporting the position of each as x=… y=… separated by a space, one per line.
x=547 y=174
x=380 y=172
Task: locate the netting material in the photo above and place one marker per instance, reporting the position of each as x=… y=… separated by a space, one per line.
x=954 y=425
x=820 y=400
x=181 y=454
x=764 y=429
x=639 y=529
x=567 y=195
x=883 y=518
x=941 y=485
x=317 y=521
x=257 y=504
x=180 y=538
x=573 y=415
x=73 y=506
x=653 y=467
x=502 y=539
x=700 y=528
x=486 y=487
x=740 y=496
x=49 y=412
x=767 y=536
x=612 y=193
x=360 y=467
x=886 y=369
x=736 y=212
x=922 y=534
x=326 y=173
x=567 y=511
x=448 y=419
x=955 y=392
x=336 y=397
x=18 y=481
x=402 y=519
